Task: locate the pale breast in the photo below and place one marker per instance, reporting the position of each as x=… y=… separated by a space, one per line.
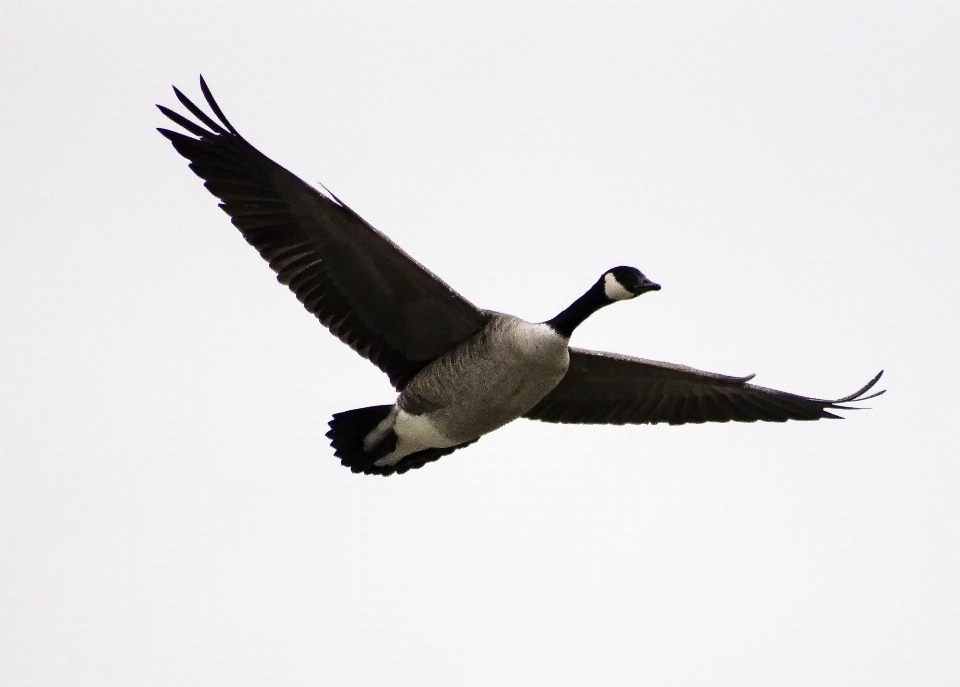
x=489 y=380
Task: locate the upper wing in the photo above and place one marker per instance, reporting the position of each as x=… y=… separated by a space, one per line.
x=604 y=388
x=367 y=291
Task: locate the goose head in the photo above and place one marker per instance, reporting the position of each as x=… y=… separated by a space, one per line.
x=622 y=283
x=617 y=284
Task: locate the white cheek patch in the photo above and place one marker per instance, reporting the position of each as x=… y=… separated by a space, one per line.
x=614 y=290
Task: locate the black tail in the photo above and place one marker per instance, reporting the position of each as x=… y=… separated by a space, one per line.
x=348 y=430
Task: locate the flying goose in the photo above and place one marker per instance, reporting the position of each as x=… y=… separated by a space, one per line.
x=460 y=371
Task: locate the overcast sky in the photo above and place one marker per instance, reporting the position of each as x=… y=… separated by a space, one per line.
x=171 y=510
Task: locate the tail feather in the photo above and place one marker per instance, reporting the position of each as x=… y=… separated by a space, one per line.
x=348 y=430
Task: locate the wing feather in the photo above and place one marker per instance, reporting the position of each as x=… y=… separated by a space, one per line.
x=615 y=389
x=358 y=283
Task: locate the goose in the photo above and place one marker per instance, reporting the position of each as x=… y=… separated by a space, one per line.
x=460 y=371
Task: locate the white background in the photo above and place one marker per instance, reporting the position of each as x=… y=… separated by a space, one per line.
x=171 y=511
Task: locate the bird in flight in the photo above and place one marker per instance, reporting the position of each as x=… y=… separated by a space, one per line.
x=461 y=371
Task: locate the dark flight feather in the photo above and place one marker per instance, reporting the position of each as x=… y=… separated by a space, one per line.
x=358 y=283
x=616 y=389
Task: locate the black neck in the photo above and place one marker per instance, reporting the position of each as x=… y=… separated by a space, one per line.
x=579 y=310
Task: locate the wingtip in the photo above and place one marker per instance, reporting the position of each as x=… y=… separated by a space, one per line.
x=873 y=395
x=859 y=394
x=169 y=135
x=211 y=101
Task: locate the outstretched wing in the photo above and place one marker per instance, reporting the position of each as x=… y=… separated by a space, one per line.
x=368 y=292
x=604 y=388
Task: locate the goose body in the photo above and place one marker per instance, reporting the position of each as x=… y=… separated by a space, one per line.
x=461 y=372
x=494 y=377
